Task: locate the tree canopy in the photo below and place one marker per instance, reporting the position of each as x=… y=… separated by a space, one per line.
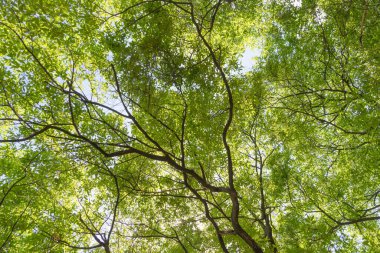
x=135 y=126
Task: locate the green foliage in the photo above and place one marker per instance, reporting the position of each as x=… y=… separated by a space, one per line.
x=132 y=126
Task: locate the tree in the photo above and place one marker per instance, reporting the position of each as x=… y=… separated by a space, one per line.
x=131 y=126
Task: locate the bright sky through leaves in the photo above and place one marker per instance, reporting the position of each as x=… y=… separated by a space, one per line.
x=249 y=58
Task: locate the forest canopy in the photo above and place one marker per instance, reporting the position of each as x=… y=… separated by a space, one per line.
x=148 y=126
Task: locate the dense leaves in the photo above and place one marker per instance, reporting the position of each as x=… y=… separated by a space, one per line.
x=135 y=126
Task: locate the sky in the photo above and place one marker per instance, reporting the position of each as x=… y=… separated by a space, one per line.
x=249 y=58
